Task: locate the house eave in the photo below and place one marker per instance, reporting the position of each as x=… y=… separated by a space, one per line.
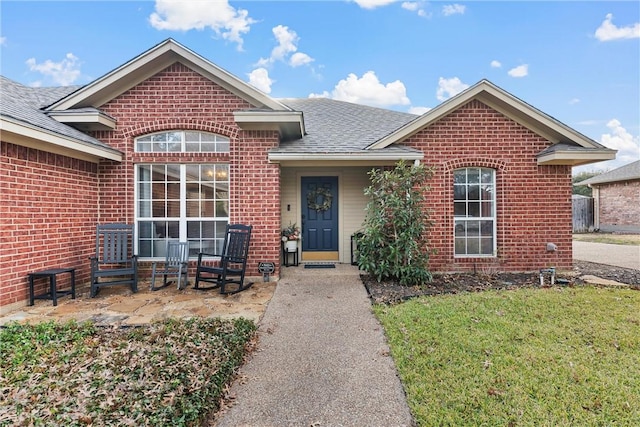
x=342 y=159
x=498 y=99
x=86 y=121
x=150 y=63
x=290 y=124
x=33 y=137
x=573 y=158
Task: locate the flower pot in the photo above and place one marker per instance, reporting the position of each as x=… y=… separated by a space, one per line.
x=291 y=245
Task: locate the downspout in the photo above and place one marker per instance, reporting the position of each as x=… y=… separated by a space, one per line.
x=596 y=206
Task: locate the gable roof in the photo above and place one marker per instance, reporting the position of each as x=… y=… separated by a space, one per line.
x=266 y=114
x=151 y=62
x=623 y=173
x=23 y=122
x=569 y=146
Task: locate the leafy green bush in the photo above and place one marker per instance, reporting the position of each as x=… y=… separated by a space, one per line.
x=167 y=373
x=393 y=243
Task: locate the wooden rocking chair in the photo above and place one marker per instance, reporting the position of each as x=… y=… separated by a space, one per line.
x=114 y=259
x=176 y=264
x=230 y=269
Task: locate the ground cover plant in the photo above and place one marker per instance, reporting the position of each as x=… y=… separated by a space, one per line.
x=556 y=356
x=167 y=373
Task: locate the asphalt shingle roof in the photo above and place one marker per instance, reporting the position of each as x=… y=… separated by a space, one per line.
x=24 y=104
x=342 y=127
x=623 y=173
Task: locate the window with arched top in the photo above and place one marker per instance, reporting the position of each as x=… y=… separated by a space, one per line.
x=181 y=202
x=182 y=141
x=474 y=212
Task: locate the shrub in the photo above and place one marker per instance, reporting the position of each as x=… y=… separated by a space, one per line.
x=393 y=243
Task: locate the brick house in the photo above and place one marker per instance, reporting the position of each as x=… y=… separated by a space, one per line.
x=616 y=197
x=179 y=147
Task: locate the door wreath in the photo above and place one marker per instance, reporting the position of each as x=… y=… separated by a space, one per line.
x=312 y=199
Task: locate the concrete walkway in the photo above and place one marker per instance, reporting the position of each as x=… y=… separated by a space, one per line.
x=322 y=359
x=627 y=256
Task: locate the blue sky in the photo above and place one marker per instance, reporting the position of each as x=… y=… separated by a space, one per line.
x=576 y=61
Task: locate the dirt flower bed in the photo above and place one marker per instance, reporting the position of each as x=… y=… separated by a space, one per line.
x=389 y=292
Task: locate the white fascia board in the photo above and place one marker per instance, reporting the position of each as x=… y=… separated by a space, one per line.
x=94 y=120
x=339 y=157
x=574 y=158
x=500 y=100
x=271 y=120
x=151 y=62
x=49 y=141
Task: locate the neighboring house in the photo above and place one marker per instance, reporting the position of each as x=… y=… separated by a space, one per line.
x=179 y=147
x=616 y=196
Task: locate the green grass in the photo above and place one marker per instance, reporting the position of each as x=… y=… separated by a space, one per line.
x=169 y=373
x=531 y=357
x=615 y=239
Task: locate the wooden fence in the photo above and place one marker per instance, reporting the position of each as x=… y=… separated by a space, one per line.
x=582 y=209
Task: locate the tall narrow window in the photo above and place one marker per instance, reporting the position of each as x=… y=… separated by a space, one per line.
x=474 y=211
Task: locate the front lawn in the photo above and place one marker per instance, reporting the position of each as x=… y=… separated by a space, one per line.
x=170 y=373
x=529 y=357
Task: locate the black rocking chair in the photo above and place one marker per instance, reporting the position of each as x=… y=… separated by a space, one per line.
x=230 y=269
x=114 y=259
x=176 y=264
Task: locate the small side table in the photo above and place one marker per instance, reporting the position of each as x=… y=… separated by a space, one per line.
x=287 y=254
x=53 y=293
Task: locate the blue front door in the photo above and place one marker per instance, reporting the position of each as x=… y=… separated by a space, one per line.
x=320 y=213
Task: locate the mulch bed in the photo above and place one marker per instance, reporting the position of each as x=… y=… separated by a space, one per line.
x=390 y=292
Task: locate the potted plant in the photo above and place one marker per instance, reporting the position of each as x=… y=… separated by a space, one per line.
x=290 y=236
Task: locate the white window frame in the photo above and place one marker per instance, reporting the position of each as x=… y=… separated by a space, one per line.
x=182 y=141
x=467 y=216
x=195 y=244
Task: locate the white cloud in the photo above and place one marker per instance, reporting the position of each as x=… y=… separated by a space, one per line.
x=259 y=78
x=574 y=101
x=449 y=87
x=519 y=71
x=299 y=58
x=372 y=4
x=416 y=6
x=62 y=73
x=419 y=110
x=218 y=15
x=496 y=64
x=453 y=9
x=287 y=47
x=620 y=139
x=367 y=90
x=607 y=31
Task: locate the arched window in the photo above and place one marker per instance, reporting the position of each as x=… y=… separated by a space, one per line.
x=180 y=141
x=474 y=212
x=183 y=202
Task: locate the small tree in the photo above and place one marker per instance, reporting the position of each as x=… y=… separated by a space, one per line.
x=393 y=243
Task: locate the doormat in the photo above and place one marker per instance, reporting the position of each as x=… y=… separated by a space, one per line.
x=320 y=265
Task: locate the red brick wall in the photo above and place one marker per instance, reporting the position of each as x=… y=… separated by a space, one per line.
x=178 y=98
x=48 y=212
x=533 y=202
x=620 y=206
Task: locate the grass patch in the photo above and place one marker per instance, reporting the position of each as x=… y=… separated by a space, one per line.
x=531 y=357
x=615 y=239
x=168 y=373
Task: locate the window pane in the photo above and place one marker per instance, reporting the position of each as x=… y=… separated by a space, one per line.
x=474 y=209
x=486 y=228
x=473 y=175
x=487 y=176
x=460 y=209
x=473 y=246
x=459 y=192
x=461 y=246
x=474 y=192
x=460 y=229
x=460 y=176
x=486 y=246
